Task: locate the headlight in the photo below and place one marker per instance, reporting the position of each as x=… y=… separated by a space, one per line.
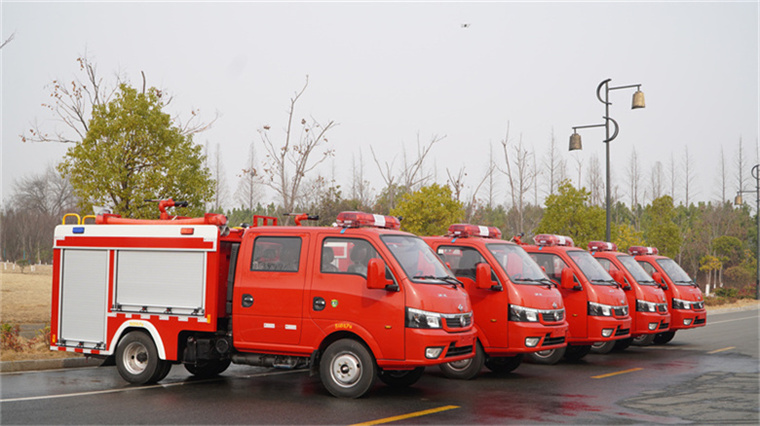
x=522 y=314
x=599 y=310
x=416 y=318
x=697 y=305
x=681 y=304
x=644 y=306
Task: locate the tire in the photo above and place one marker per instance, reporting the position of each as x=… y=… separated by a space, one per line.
x=664 y=337
x=401 y=378
x=210 y=368
x=347 y=369
x=603 y=347
x=465 y=369
x=547 y=357
x=505 y=364
x=162 y=371
x=623 y=344
x=644 y=339
x=575 y=353
x=137 y=359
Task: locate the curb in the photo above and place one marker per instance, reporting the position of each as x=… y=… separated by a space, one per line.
x=48 y=364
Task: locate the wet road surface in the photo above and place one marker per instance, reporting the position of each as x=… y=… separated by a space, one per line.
x=707 y=375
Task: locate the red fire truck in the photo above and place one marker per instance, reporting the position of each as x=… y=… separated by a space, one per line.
x=517 y=308
x=687 y=307
x=354 y=302
x=651 y=314
x=596 y=306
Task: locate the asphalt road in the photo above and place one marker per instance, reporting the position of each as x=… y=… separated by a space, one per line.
x=708 y=375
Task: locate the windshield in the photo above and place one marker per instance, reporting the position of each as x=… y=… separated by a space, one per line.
x=676 y=274
x=417 y=259
x=639 y=274
x=592 y=269
x=517 y=264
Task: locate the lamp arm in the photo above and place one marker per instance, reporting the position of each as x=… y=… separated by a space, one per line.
x=614 y=134
x=599 y=93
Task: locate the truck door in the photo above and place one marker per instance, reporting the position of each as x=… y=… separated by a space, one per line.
x=491 y=306
x=339 y=295
x=576 y=301
x=267 y=302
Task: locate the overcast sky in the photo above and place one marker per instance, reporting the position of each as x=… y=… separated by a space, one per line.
x=388 y=72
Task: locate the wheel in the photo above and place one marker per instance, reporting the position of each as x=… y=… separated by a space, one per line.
x=575 y=353
x=644 y=339
x=162 y=371
x=664 y=337
x=347 y=369
x=547 y=357
x=603 y=347
x=623 y=344
x=465 y=369
x=505 y=364
x=401 y=378
x=209 y=368
x=137 y=358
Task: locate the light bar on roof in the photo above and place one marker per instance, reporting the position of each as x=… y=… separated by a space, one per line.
x=463 y=230
x=602 y=246
x=642 y=250
x=553 y=240
x=359 y=219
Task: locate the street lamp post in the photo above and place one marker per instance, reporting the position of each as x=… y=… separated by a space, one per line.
x=575 y=138
x=738 y=201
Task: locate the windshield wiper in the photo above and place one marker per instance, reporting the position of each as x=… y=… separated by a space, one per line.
x=544 y=281
x=446 y=278
x=608 y=282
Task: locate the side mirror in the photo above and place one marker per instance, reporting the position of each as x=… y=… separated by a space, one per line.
x=483 y=276
x=620 y=279
x=659 y=279
x=568 y=280
x=376 y=275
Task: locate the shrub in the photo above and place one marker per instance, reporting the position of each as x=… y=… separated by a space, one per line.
x=10 y=339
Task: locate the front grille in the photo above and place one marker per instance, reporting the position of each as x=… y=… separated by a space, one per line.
x=662 y=307
x=553 y=316
x=664 y=325
x=550 y=341
x=620 y=311
x=697 y=305
x=458 y=320
x=699 y=321
x=622 y=331
x=457 y=351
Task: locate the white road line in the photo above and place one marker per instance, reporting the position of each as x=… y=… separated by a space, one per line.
x=167 y=385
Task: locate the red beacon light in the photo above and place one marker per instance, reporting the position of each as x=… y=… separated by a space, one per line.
x=463 y=230
x=602 y=246
x=641 y=250
x=359 y=219
x=553 y=240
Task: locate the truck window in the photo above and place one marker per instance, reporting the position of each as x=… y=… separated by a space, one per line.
x=647 y=267
x=280 y=254
x=462 y=260
x=346 y=256
x=607 y=265
x=551 y=264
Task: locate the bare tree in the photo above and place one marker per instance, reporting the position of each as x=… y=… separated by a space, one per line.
x=634 y=178
x=361 y=189
x=595 y=181
x=673 y=169
x=289 y=161
x=8 y=40
x=688 y=175
x=656 y=181
x=521 y=178
x=554 y=165
x=722 y=176
x=456 y=183
x=741 y=164
x=248 y=191
x=72 y=104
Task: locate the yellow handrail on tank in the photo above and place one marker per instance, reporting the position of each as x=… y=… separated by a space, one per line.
x=89 y=216
x=79 y=219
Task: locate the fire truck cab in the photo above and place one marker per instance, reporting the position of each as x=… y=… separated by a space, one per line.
x=354 y=302
x=651 y=314
x=687 y=306
x=597 y=310
x=517 y=308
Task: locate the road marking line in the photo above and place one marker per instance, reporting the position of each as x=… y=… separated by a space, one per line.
x=167 y=385
x=722 y=350
x=407 y=416
x=602 y=376
x=738 y=319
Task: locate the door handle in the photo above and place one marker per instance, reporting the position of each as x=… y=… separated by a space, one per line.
x=319 y=304
x=247 y=301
